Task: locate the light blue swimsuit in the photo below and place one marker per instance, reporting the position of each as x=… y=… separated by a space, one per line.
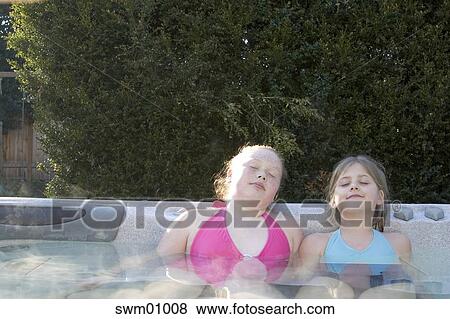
x=379 y=252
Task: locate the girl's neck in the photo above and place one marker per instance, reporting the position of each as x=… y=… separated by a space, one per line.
x=358 y=238
x=357 y=222
x=357 y=231
x=240 y=209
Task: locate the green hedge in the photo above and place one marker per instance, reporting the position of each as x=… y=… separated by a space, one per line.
x=147 y=98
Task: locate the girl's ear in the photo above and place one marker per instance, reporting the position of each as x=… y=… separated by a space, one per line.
x=380 y=200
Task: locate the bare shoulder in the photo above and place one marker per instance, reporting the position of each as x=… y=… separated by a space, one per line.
x=296 y=233
x=295 y=237
x=291 y=228
x=314 y=244
x=191 y=219
x=176 y=237
x=399 y=242
x=397 y=238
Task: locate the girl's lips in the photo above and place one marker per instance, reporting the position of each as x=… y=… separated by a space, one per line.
x=259 y=186
x=355 y=196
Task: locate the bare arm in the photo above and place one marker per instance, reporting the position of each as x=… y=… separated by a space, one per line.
x=174 y=241
x=306 y=259
x=401 y=245
x=295 y=237
x=298 y=238
x=312 y=249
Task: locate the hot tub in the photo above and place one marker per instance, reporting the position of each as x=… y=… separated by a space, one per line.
x=79 y=248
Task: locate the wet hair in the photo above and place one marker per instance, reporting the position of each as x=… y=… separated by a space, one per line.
x=376 y=170
x=221 y=179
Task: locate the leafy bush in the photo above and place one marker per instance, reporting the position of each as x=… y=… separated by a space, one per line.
x=10 y=95
x=147 y=98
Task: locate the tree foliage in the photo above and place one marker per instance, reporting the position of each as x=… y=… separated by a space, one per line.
x=11 y=96
x=147 y=98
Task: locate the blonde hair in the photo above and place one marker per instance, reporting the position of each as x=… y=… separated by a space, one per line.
x=221 y=179
x=376 y=170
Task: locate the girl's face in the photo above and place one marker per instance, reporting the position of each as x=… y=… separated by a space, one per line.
x=355 y=185
x=255 y=175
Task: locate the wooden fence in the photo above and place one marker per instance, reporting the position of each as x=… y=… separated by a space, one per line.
x=20 y=152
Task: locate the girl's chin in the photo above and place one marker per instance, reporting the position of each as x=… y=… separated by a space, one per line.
x=355 y=217
x=247 y=196
x=355 y=204
x=246 y=200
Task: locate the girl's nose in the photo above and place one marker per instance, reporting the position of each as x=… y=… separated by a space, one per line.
x=354 y=187
x=262 y=176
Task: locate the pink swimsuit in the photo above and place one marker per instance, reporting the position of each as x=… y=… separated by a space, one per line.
x=213 y=253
